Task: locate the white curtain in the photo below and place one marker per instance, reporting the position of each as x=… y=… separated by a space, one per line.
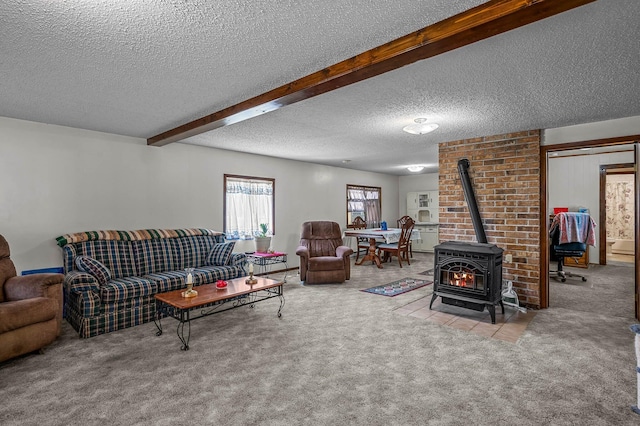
x=365 y=202
x=249 y=203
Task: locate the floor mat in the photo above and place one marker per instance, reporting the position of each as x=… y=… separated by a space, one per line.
x=398 y=287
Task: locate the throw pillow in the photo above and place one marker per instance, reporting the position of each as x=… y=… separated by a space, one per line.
x=221 y=254
x=91 y=266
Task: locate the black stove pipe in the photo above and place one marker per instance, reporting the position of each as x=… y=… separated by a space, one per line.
x=470 y=197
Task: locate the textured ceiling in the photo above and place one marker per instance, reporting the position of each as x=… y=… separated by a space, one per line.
x=141 y=68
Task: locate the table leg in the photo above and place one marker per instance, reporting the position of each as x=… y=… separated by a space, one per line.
x=281 y=297
x=180 y=331
x=371 y=254
x=157 y=319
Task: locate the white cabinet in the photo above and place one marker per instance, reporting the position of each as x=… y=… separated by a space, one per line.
x=425 y=199
x=423 y=206
x=428 y=238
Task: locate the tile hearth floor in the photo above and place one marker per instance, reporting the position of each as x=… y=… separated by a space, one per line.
x=508 y=327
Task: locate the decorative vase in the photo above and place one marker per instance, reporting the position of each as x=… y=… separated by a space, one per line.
x=263 y=244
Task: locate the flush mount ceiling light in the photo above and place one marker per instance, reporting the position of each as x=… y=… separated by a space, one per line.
x=421 y=127
x=415 y=168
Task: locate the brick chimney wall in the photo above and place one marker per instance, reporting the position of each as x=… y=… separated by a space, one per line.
x=505 y=175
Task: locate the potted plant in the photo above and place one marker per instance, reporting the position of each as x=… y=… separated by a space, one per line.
x=263 y=241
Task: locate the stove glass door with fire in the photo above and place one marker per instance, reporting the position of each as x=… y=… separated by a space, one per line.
x=463 y=276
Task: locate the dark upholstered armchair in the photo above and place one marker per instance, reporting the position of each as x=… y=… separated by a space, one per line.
x=323 y=258
x=30 y=308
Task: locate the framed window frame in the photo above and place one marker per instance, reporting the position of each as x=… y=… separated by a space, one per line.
x=249 y=178
x=378 y=189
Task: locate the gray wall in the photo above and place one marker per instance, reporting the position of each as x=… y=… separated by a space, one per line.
x=57 y=180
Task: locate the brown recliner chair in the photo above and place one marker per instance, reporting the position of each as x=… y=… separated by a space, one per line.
x=323 y=258
x=30 y=308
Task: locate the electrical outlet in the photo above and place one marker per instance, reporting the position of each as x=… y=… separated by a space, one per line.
x=508 y=258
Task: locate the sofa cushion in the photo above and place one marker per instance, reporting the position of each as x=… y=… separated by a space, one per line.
x=126 y=288
x=92 y=266
x=118 y=256
x=211 y=274
x=156 y=255
x=220 y=255
x=194 y=251
x=170 y=280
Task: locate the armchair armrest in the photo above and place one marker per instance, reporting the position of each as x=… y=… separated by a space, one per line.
x=48 y=286
x=238 y=259
x=35 y=285
x=303 y=252
x=81 y=282
x=344 y=251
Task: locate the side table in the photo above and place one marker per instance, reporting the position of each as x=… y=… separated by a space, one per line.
x=265 y=260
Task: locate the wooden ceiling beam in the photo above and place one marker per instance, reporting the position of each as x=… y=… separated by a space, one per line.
x=486 y=20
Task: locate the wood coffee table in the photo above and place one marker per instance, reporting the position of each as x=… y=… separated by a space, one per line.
x=211 y=300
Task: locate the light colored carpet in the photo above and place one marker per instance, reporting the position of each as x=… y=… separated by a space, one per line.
x=338 y=356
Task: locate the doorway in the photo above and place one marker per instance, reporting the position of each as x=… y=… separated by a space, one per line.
x=617 y=216
x=578 y=149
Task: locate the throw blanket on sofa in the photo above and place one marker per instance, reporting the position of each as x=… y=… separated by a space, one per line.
x=143 y=234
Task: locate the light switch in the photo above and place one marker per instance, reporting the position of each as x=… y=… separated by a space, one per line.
x=508 y=258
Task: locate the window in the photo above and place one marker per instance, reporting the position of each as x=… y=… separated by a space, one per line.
x=364 y=201
x=248 y=202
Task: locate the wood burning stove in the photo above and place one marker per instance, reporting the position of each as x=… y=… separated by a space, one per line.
x=469 y=274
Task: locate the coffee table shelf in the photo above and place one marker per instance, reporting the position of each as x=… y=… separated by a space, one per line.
x=211 y=300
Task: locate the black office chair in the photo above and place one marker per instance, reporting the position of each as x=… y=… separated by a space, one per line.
x=560 y=252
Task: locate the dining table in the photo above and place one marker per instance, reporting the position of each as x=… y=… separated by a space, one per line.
x=390 y=236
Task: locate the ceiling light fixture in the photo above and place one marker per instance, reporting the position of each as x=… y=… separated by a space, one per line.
x=415 y=168
x=421 y=127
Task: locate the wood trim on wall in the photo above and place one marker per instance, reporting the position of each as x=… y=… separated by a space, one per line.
x=637 y=232
x=544 y=231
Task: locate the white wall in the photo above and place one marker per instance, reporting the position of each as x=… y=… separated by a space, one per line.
x=591 y=131
x=57 y=180
x=415 y=183
x=575 y=182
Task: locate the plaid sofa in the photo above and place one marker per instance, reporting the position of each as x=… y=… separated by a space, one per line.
x=111 y=277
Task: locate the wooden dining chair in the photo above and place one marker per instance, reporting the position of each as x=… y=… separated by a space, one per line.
x=401 y=248
x=362 y=242
x=401 y=222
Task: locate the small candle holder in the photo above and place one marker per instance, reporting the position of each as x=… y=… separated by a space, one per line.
x=189 y=292
x=251 y=280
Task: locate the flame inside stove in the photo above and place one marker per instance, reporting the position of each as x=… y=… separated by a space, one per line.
x=462 y=279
